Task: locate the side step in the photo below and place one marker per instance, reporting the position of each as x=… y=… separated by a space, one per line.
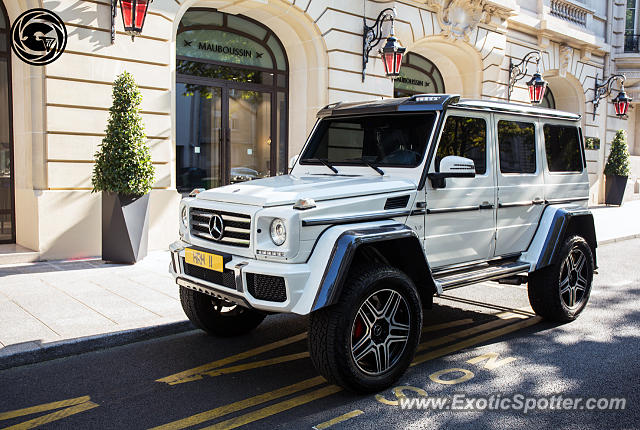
x=479 y=273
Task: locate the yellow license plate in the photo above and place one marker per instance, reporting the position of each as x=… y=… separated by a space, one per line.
x=204 y=259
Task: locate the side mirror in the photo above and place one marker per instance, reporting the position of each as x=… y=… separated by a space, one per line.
x=292 y=161
x=452 y=166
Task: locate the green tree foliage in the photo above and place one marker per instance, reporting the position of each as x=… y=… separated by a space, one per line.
x=123 y=160
x=618 y=161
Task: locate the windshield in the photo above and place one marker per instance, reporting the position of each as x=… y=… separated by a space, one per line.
x=382 y=140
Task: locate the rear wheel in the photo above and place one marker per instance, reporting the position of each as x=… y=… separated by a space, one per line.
x=366 y=341
x=218 y=317
x=561 y=291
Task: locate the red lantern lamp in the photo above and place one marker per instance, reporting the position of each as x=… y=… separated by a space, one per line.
x=537 y=86
x=621 y=103
x=392 y=57
x=133 y=13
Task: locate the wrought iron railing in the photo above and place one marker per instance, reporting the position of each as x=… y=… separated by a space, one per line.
x=569 y=11
x=632 y=43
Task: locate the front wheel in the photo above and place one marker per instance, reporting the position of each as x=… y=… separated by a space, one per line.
x=218 y=317
x=561 y=291
x=367 y=340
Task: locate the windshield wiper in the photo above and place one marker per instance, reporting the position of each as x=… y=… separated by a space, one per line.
x=368 y=163
x=325 y=162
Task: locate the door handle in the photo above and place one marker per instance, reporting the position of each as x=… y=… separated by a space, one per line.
x=486 y=205
x=537 y=201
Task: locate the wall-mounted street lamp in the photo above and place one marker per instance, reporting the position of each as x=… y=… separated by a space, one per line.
x=133 y=14
x=391 y=53
x=620 y=102
x=536 y=84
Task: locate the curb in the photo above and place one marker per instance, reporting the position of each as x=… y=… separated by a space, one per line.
x=619 y=239
x=68 y=347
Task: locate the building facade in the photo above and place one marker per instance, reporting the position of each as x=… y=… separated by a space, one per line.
x=231 y=88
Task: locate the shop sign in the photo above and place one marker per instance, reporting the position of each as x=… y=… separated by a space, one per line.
x=222 y=46
x=38 y=37
x=413 y=80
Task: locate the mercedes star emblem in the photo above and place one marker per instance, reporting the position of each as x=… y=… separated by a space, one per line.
x=38 y=37
x=216 y=227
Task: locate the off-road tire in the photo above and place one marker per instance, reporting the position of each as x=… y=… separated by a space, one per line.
x=206 y=313
x=330 y=329
x=545 y=285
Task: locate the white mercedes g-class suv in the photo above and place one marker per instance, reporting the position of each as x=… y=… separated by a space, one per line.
x=390 y=203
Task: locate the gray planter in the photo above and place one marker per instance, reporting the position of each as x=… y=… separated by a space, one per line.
x=614 y=187
x=125 y=227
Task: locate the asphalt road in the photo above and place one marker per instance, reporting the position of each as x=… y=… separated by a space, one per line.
x=476 y=344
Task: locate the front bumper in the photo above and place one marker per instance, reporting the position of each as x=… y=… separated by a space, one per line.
x=296 y=278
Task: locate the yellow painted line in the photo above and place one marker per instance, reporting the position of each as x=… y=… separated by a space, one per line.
x=524 y=310
x=276 y=408
x=196 y=373
x=338 y=420
x=449 y=324
x=257 y=364
x=54 y=416
x=241 y=404
x=43 y=407
x=503 y=319
x=475 y=340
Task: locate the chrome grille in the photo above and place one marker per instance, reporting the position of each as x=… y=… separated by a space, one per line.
x=237 y=227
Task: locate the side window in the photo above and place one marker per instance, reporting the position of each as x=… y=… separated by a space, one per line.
x=517 y=145
x=562 y=145
x=464 y=137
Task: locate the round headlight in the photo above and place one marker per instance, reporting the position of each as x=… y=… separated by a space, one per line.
x=185 y=217
x=278 y=231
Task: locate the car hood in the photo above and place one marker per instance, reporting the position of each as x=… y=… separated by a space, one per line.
x=286 y=189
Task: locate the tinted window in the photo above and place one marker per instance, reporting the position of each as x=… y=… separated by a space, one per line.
x=517 y=144
x=385 y=140
x=464 y=137
x=562 y=146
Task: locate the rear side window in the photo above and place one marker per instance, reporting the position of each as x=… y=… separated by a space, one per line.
x=464 y=137
x=517 y=144
x=562 y=145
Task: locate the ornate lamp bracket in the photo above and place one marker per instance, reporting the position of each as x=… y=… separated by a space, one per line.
x=517 y=71
x=372 y=35
x=604 y=90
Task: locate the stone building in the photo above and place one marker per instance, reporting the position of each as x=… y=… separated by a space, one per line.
x=231 y=88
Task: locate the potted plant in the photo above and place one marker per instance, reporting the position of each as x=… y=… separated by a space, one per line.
x=124 y=173
x=617 y=170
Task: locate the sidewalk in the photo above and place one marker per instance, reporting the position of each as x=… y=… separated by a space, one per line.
x=54 y=309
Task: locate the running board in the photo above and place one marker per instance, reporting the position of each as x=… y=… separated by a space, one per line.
x=480 y=273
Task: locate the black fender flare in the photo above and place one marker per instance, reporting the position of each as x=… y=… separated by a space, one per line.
x=397 y=237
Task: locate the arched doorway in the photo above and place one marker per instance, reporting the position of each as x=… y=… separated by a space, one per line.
x=231 y=100
x=548 y=101
x=7 y=194
x=417 y=76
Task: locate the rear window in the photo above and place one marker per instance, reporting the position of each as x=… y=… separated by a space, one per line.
x=517 y=144
x=562 y=146
x=383 y=140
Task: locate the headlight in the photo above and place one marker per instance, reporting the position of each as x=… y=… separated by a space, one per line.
x=185 y=217
x=278 y=231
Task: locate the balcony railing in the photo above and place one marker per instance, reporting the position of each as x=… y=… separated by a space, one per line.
x=569 y=11
x=632 y=43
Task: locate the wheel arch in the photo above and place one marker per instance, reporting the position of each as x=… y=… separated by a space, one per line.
x=396 y=245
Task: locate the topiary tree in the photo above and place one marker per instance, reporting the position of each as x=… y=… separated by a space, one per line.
x=618 y=161
x=123 y=160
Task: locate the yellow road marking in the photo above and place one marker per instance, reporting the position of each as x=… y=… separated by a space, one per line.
x=43 y=407
x=449 y=324
x=236 y=422
x=524 y=310
x=256 y=364
x=504 y=319
x=54 y=416
x=241 y=404
x=337 y=420
x=475 y=340
x=196 y=372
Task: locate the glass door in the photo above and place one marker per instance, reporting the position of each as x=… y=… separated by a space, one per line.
x=199 y=137
x=7 y=215
x=249 y=119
